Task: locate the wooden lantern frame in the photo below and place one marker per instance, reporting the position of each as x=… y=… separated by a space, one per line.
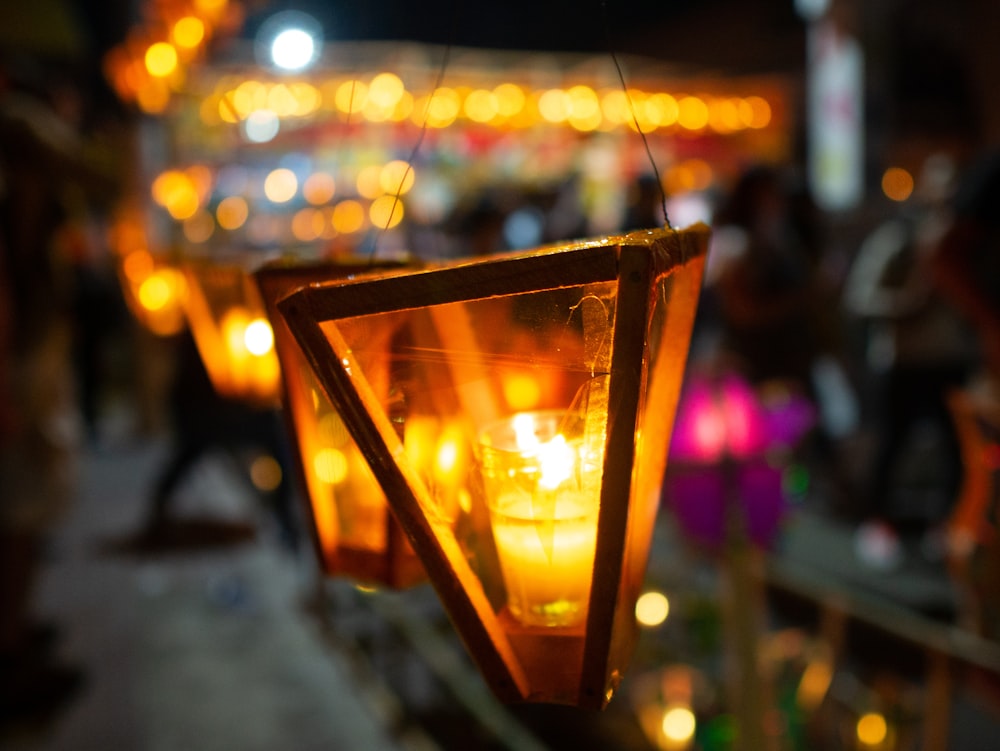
x=581 y=667
x=395 y=565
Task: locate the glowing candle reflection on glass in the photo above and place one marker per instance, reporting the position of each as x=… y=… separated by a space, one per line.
x=543 y=495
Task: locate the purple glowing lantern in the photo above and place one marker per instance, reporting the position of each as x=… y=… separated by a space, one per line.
x=729 y=447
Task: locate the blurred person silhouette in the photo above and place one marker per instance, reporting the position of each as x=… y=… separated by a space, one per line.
x=644 y=205
x=772 y=304
x=40 y=160
x=918 y=349
x=204 y=422
x=966 y=257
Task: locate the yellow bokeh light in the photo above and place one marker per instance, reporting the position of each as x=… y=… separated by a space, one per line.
x=872 y=729
x=443 y=107
x=330 y=466
x=248 y=97
x=678 y=724
x=652 y=609
x=369 y=181
x=161 y=288
x=161 y=59
x=396 y=176
x=662 y=110
x=188 y=32
x=386 y=212
x=897 y=184
x=319 y=188
x=692 y=113
x=351 y=96
x=348 y=216
x=583 y=102
x=307 y=98
x=169 y=184
x=232 y=212
x=280 y=185
x=554 y=105
x=615 y=107
x=385 y=90
x=481 y=106
x=281 y=100
x=510 y=99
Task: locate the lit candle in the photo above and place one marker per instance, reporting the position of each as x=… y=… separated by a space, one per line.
x=543 y=492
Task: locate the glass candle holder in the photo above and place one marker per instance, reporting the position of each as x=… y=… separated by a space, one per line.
x=543 y=491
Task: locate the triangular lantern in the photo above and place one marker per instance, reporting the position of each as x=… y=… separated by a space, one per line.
x=517 y=411
x=353 y=532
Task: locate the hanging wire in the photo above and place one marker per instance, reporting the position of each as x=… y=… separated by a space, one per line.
x=420 y=136
x=635 y=121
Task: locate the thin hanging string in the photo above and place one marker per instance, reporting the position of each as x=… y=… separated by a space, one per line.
x=635 y=122
x=420 y=139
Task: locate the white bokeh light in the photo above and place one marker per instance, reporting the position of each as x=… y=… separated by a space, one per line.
x=293 y=49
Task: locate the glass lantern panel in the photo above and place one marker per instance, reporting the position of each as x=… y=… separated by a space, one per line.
x=674 y=306
x=499 y=410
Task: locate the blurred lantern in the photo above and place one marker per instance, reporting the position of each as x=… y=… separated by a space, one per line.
x=531 y=506
x=153 y=287
x=354 y=534
x=229 y=323
x=728 y=447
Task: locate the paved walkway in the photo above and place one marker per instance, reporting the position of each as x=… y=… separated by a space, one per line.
x=205 y=649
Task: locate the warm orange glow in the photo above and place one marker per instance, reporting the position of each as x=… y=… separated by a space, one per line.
x=248 y=97
x=232 y=212
x=692 y=113
x=137 y=265
x=348 y=216
x=522 y=391
x=177 y=193
x=814 y=684
x=761 y=112
x=386 y=212
x=188 y=32
x=897 y=184
x=543 y=508
x=662 y=110
x=307 y=98
x=211 y=8
x=319 y=188
x=872 y=729
x=330 y=466
x=281 y=185
x=161 y=59
x=615 y=107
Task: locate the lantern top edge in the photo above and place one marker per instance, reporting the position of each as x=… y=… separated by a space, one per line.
x=574 y=263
